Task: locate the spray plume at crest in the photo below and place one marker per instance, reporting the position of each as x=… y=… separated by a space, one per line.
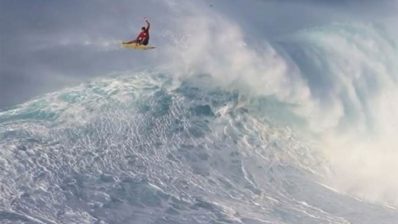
x=340 y=77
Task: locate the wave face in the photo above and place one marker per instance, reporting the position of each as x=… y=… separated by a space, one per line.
x=145 y=148
x=232 y=120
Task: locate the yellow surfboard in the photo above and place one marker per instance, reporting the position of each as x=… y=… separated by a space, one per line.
x=137 y=46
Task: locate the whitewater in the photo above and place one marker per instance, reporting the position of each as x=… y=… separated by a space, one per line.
x=294 y=127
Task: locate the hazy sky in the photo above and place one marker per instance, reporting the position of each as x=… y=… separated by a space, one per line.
x=47 y=44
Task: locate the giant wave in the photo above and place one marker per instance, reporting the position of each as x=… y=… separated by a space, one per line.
x=145 y=148
x=297 y=127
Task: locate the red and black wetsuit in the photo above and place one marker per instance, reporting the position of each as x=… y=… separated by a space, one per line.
x=143 y=37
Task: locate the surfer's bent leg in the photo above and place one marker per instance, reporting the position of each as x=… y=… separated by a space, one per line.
x=130 y=42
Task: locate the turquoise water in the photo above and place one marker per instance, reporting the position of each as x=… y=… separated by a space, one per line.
x=143 y=148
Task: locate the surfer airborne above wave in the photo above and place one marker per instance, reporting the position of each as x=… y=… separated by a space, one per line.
x=143 y=37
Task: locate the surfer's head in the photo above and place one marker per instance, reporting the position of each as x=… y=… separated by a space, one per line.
x=143 y=28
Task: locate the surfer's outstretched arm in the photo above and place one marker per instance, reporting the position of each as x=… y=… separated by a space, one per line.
x=147 y=24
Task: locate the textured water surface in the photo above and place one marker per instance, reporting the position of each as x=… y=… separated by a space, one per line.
x=146 y=148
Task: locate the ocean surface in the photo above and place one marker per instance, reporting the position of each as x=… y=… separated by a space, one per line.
x=292 y=128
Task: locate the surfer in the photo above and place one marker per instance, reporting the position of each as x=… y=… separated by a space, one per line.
x=143 y=37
